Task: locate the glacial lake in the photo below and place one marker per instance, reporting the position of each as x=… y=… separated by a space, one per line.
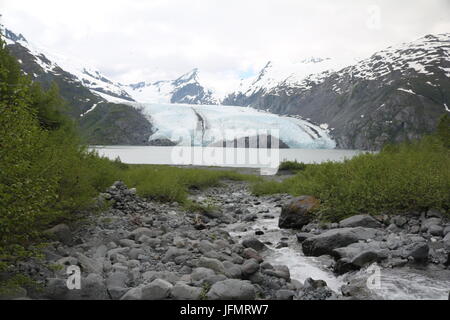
x=223 y=157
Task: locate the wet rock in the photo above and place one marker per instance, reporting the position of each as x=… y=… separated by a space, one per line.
x=279 y=272
x=298 y=212
x=336 y=238
x=314 y=290
x=418 y=251
x=302 y=236
x=367 y=257
x=250 y=217
x=157 y=290
x=254 y=244
x=362 y=220
x=250 y=253
x=232 y=289
x=250 y=267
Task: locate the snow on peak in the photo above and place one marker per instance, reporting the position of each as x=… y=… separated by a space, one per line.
x=295 y=74
x=51 y=62
x=420 y=56
x=188 y=88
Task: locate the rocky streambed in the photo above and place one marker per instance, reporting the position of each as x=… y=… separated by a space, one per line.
x=141 y=249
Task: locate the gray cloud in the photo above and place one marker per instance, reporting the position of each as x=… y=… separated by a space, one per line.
x=160 y=39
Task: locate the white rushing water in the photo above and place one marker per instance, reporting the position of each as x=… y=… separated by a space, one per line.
x=395 y=284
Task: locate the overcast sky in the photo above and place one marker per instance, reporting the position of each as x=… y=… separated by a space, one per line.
x=136 y=40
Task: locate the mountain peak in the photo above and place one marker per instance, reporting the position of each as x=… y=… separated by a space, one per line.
x=191 y=75
x=10 y=35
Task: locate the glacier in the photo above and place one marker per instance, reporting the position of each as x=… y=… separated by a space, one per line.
x=206 y=125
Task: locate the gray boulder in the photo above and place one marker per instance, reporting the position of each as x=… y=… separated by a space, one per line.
x=426 y=224
x=232 y=289
x=254 y=244
x=157 y=290
x=250 y=267
x=302 y=236
x=418 y=251
x=298 y=212
x=335 y=238
x=182 y=291
x=436 y=230
x=133 y=294
x=362 y=220
x=116 y=284
x=61 y=232
x=212 y=264
x=446 y=242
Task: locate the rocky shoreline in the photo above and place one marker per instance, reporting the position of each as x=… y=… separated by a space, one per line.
x=145 y=250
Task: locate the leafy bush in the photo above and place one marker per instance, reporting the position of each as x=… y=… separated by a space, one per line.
x=292 y=166
x=408 y=176
x=165 y=183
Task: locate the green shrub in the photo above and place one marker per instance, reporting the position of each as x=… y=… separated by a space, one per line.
x=409 y=176
x=292 y=166
x=165 y=183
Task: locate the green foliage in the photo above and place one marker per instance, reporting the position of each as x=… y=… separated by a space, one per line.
x=292 y=166
x=443 y=130
x=45 y=175
x=165 y=183
x=404 y=177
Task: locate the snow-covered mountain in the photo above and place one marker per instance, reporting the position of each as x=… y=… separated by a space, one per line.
x=396 y=94
x=301 y=75
x=45 y=66
x=186 y=89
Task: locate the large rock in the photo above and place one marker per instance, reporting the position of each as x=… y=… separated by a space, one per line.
x=116 y=284
x=232 y=289
x=446 y=242
x=418 y=251
x=157 y=290
x=314 y=290
x=213 y=264
x=254 y=244
x=182 y=291
x=133 y=294
x=61 y=232
x=362 y=220
x=335 y=238
x=298 y=212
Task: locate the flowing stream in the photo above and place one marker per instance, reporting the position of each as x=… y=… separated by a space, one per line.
x=396 y=284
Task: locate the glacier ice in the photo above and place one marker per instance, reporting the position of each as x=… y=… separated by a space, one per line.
x=206 y=125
